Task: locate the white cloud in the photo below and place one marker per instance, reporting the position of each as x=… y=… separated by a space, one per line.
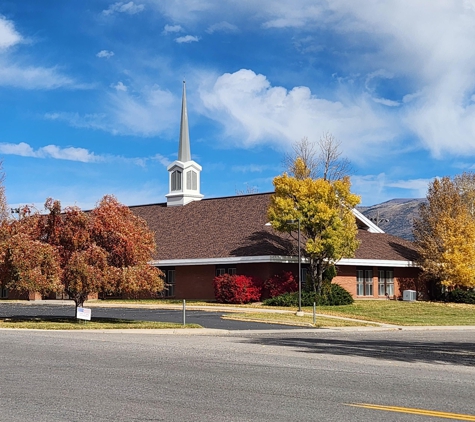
x=105 y=54
x=377 y=188
x=49 y=151
x=253 y=168
x=146 y=113
x=33 y=77
x=253 y=112
x=161 y=159
x=222 y=27
x=26 y=76
x=422 y=55
x=119 y=87
x=172 y=29
x=8 y=35
x=386 y=102
x=187 y=39
x=120 y=7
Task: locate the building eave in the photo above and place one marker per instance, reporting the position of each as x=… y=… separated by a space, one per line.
x=276 y=259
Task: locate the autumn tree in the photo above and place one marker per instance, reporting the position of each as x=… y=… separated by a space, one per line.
x=129 y=245
x=324 y=209
x=444 y=232
x=81 y=253
x=3 y=199
x=323 y=159
x=27 y=263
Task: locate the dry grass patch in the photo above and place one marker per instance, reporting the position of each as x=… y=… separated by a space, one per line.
x=291 y=319
x=94 y=324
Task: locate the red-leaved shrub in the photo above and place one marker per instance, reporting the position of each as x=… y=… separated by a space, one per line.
x=236 y=289
x=281 y=283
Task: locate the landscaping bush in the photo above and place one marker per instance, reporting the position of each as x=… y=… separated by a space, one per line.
x=332 y=295
x=460 y=296
x=236 y=289
x=281 y=283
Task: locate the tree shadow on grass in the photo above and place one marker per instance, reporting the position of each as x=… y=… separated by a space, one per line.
x=442 y=353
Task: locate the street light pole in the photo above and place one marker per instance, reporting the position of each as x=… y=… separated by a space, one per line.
x=299 y=312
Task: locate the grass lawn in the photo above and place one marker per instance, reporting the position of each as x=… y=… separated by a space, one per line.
x=405 y=313
x=292 y=319
x=384 y=311
x=94 y=324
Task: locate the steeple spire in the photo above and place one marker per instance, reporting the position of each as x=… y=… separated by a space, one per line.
x=184 y=153
x=184 y=173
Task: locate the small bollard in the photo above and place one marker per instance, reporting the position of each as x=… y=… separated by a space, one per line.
x=184 y=312
x=314 y=313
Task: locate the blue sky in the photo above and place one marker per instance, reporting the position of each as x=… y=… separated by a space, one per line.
x=90 y=93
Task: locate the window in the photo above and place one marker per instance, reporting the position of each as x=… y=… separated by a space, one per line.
x=170 y=283
x=224 y=270
x=3 y=292
x=176 y=180
x=304 y=275
x=385 y=282
x=191 y=180
x=364 y=282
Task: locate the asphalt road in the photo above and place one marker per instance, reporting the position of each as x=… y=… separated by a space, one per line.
x=91 y=376
x=204 y=318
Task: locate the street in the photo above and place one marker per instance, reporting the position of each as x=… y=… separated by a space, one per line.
x=107 y=376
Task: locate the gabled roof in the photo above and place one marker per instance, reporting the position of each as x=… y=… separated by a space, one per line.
x=234 y=227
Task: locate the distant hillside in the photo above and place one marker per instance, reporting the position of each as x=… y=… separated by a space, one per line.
x=395 y=216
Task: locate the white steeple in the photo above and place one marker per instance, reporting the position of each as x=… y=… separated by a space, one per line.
x=184 y=173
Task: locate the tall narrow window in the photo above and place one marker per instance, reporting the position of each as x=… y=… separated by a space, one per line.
x=364 y=282
x=3 y=292
x=170 y=283
x=176 y=180
x=386 y=282
x=191 y=180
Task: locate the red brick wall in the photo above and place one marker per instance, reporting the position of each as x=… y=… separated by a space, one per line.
x=346 y=278
x=194 y=282
x=404 y=278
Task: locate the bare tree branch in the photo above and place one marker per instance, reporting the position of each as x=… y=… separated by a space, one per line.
x=322 y=159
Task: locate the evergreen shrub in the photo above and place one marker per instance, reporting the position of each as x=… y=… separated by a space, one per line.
x=460 y=296
x=332 y=295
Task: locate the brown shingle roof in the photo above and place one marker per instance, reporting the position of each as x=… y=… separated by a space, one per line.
x=214 y=228
x=235 y=226
x=384 y=246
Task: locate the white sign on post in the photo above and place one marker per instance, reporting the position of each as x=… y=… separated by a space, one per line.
x=83 y=313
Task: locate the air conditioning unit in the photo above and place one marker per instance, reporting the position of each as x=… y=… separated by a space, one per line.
x=409 y=295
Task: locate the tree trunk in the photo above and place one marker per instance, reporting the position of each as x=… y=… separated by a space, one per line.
x=316 y=270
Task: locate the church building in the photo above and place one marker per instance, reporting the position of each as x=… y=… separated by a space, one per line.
x=200 y=238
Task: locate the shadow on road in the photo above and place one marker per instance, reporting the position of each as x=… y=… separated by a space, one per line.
x=444 y=353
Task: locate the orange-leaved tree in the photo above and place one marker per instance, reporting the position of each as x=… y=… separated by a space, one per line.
x=105 y=250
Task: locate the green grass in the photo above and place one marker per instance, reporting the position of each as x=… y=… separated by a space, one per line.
x=405 y=313
x=383 y=311
x=94 y=324
x=292 y=319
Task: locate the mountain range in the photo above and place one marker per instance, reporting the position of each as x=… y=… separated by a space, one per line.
x=395 y=216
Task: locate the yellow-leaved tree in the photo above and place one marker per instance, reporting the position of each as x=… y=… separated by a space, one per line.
x=324 y=209
x=444 y=233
